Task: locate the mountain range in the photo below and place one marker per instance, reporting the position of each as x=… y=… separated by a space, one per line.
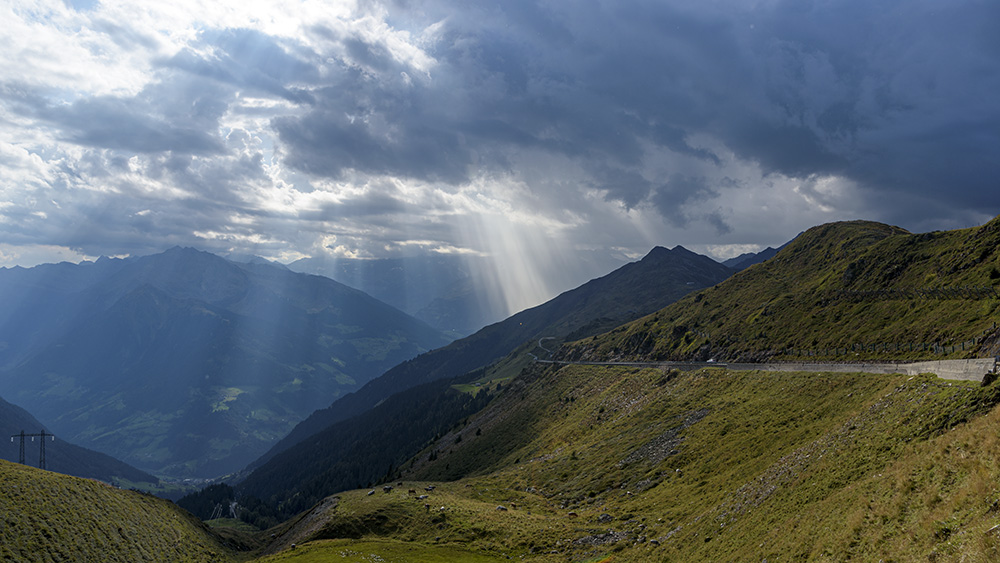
x=631 y=291
x=453 y=293
x=437 y=290
x=186 y=364
x=747 y=259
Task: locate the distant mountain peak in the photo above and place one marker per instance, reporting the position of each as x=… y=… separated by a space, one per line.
x=684 y=251
x=660 y=252
x=185 y=250
x=656 y=253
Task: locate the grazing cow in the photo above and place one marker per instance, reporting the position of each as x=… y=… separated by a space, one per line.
x=502 y=508
x=387 y=489
x=371 y=492
x=411 y=492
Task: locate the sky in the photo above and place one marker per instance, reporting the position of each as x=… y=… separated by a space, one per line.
x=530 y=133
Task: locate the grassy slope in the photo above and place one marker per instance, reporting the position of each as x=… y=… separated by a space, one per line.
x=660 y=278
x=719 y=465
x=47 y=516
x=711 y=465
x=810 y=297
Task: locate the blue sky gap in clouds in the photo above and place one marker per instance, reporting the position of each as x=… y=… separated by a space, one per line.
x=529 y=132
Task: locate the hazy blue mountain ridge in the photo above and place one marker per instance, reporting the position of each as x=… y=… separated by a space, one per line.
x=454 y=293
x=186 y=364
x=437 y=289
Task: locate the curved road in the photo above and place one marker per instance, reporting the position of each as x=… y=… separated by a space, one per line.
x=964 y=370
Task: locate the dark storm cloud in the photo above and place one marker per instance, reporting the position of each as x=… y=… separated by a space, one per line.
x=328 y=142
x=373 y=205
x=626 y=186
x=379 y=130
x=670 y=197
x=893 y=95
x=119 y=123
x=787 y=148
x=180 y=115
x=508 y=78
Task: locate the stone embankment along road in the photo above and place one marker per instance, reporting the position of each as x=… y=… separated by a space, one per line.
x=964 y=370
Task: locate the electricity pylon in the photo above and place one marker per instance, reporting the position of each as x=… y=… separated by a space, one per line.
x=41 y=447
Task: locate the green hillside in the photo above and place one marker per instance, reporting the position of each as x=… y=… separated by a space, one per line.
x=632 y=291
x=855 y=290
x=47 y=516
x=647 y=465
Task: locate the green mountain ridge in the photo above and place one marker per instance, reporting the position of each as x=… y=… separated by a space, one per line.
x=848 y=291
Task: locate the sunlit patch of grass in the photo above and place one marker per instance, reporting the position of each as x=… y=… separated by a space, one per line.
x=226 y=395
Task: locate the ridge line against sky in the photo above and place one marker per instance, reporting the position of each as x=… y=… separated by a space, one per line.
x=528 y=132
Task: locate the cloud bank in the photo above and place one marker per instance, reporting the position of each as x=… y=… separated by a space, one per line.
x=529 y=131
